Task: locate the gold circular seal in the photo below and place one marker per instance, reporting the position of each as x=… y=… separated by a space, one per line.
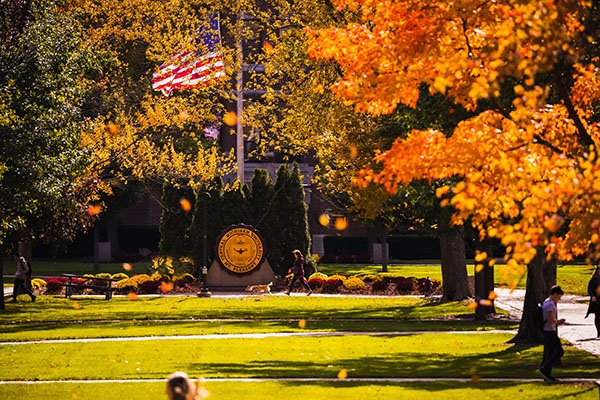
x=240 y=249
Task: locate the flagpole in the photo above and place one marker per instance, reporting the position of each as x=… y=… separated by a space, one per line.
x=240 y=104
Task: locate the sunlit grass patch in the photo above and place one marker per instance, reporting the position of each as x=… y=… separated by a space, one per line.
x=308 y=390
x=415 y=355
x=75 y=330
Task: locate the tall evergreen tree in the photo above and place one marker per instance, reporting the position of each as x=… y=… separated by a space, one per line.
x=234 y=207
x=292 y=217
x=175 y=221
x=261 y=207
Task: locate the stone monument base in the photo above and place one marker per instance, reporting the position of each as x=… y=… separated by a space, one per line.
x=219 y=278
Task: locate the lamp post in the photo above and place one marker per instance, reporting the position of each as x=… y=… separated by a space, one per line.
x=204 y=292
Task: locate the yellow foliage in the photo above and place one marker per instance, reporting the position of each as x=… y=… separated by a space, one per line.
x=520 y=172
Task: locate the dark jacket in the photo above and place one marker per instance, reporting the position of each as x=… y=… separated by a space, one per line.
x=298 y=267
x=594 y=307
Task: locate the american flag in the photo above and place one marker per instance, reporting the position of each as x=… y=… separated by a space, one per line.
x=192 y=69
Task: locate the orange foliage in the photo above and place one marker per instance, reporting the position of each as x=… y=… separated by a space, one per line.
x=528 y=174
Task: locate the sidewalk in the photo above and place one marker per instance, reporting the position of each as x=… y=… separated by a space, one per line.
x=578 y=330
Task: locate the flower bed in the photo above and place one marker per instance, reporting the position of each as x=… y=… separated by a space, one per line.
x=379 y=284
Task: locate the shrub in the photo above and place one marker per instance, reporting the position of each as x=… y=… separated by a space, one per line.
x=103 y=275
x=119 y=276
x=127 y=285
x=380 y=286
x=338 y=276
x=354 y=283
x=38 y=283
x=333 y=283
x=184 y=279
x=404 y=285
x=167 y=266
x=316 y=281
x=331 y=286
x=318 y=275
x=388 y=277
x=371 y=278
x=141 y=278
x=149 y=287
x=54 y=285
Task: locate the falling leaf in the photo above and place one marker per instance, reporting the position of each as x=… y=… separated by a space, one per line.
x=127 y=267
x=132 y=296
x=485 y=302
x=230 y=118
x=112 y=128
x=343 y=374
x=76 y=305
x=472 y=305
x=492 y=295
x=267 y=47
x=475 y=378
x=341 y=223
x=166 y=287
x=324 y=219
x=302 y=324
x=353 y=152
x=94 y=210
x=185 y=204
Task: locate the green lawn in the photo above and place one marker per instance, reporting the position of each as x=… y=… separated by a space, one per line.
x=308 y=390
x=48 y=308
x=50 y=330
x=470 y=352
x=425 y=355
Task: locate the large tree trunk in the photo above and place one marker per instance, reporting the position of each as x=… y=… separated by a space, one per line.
x=484 y=284
x=537 y=290
x=454 y=265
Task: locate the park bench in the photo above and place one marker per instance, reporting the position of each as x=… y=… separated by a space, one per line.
x=105 y=286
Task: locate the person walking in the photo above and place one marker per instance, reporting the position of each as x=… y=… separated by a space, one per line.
x=22 y=274
x=594 y=292
x=298 y=271
x=553 y=350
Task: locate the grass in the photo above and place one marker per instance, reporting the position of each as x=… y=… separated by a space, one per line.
x=459 y=355
x=48 y=308
x=78 y=330
x=464 y=354
x=308 y=390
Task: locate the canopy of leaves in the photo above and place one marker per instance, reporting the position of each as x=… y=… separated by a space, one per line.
x=527 y=167
x=45 y=181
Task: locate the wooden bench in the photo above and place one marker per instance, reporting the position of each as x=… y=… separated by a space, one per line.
x=106 y=288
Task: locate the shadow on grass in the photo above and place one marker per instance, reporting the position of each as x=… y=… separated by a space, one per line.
x=509 y=362
x=442 y=386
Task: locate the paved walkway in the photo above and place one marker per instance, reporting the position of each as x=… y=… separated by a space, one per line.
x=578 y=330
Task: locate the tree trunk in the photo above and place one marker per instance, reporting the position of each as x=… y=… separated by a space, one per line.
x=454 y=265
x=384 y=249
x=484 y=284
x=96 y=248
x=536 y=292
x=2 y=306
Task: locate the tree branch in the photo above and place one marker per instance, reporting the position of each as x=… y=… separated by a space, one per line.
x=563 y=92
